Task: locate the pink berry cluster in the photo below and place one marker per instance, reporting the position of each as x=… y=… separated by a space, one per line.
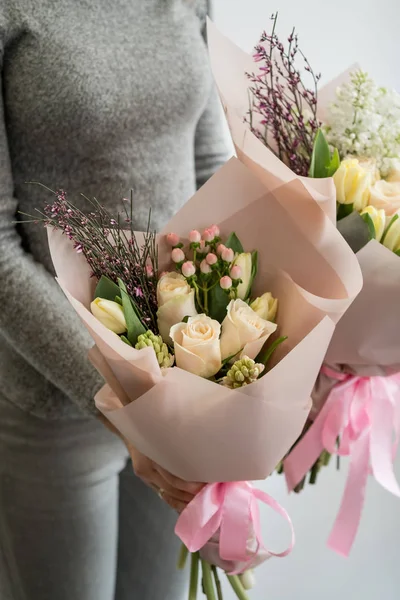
x=212 y=261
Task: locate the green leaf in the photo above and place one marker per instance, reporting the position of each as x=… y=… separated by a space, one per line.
x=367 y=218
x=125 y=340
x=334 y=164
x=266 y=353
x=229 y=358
x=354 y=230
x=321 y=157
x=218 y=301
x=392 y=220
x=185 y=319
x=254 y=269
x=397 y=252
x=234 y=243
x=118 y=300
x=107 y=289
x=344 y=210
x=134 y=325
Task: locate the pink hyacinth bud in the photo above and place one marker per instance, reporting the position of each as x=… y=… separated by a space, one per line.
x=208 y=235
x=177 y=255
x=188 y=269
x=211 y=258
x=149 y=271
x=227 y=255
x=194 y=236
x=220 y=248
x=205 y=267
x=236 y=272
x=215 y=229
x=225 y=282
x=172 y=239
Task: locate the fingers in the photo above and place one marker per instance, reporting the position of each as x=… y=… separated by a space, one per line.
x=179 y=484
x=174 y=503
x=169 y=490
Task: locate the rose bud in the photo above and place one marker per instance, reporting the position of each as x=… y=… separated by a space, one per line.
x=177 y=255
x=188 y=269
x=194 y=236
x=225 y=282
x=172 y=239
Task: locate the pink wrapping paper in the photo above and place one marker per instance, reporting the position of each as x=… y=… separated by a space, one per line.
x=197 y=429
x=229 y=65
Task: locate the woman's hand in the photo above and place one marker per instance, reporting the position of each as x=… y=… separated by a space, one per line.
x=174 y=491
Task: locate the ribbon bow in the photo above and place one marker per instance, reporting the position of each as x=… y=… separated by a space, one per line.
x=232 y=509
x=360 y=419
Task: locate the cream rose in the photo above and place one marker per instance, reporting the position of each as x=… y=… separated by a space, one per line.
x=175 y=300
x=197 y=346
x=353 y=182
x=265 y=306
x=394 y=173
x=386 y=195
x=243 y=330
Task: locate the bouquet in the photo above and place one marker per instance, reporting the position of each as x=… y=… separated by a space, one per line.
x=209 y=343
x=343 y=142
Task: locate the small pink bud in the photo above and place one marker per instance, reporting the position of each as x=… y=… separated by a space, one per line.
x=164 y=273
x=225 y=282
x=215 y=229
x=177 y=255
x=208 y=235
x=205 y=267
x=194 y=236
x=220 y=248
x=149 y=271
x=227 y=255
x=211 y=259
x=173 y=239
x=236 y=272
x=188 y=269
x=203 y=248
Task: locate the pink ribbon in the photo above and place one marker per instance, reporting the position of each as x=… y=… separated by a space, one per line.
x=363 y=413
x=232 y=509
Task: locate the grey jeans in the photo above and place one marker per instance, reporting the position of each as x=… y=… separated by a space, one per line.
x=75 y=523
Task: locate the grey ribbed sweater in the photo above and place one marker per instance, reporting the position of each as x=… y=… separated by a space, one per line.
x=98 y=96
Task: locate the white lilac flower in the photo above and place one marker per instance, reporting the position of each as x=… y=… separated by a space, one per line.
x=364 y=121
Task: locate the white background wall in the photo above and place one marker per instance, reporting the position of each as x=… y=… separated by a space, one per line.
x=333 y=34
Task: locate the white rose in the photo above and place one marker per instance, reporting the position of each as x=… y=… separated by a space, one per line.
x=386 y=195
x=110 y=314
x=197 y=346
x=265 y=306
x=243 y=330
x=175 y=300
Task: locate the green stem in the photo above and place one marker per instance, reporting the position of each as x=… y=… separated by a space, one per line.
x=183 y=554
x=237 y=587
x=196 y=287
x=194 y=576
x=314 y=473
x=217 y=582
x=207 y=581
x=205 y=300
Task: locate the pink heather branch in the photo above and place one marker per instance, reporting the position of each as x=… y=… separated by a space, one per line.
x=110 y=249
x=280 y=97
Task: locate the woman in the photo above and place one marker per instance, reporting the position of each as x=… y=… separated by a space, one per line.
x=98 y=97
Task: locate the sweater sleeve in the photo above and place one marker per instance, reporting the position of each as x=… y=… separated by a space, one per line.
x=212 y=145
x=36 y=319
